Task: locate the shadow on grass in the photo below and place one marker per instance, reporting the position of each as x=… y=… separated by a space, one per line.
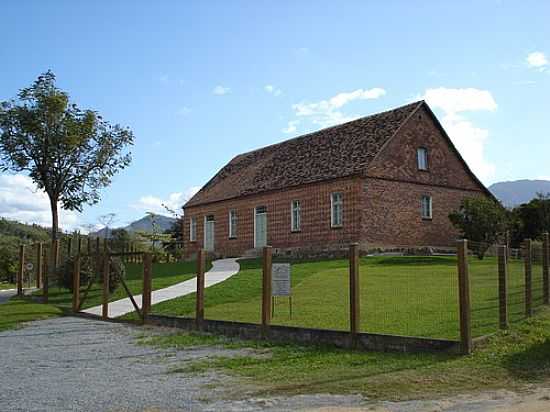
x=413 y=260
x=533 y=363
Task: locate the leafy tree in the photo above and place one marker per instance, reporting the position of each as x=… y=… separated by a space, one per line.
x=120 y=239
x=531 y=220
x=68 y=152
x=480 y=220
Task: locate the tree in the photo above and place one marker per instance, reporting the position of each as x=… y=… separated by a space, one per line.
x=531 y=219
x=68 y=152
x=480 y=220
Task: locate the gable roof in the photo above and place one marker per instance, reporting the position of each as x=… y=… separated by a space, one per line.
x=335 y=152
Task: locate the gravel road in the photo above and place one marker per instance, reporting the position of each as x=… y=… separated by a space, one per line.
x=76 y=364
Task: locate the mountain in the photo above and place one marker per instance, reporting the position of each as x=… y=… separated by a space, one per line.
x=145 y=224
x=519 y=191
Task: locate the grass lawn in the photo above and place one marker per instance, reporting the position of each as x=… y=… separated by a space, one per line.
x=415 y=296
x=508 y=360
x=18 y=310
x=164 y=275
x=5 y=285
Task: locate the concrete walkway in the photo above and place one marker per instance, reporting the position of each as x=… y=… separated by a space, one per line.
x=222 y=269
x=5 y=295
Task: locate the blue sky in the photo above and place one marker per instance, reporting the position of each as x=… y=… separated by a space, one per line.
x=199 y=82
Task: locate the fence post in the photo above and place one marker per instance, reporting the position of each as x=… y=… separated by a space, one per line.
x=76 y=283
x=147 y=285
x=545 y=268
x=55 y=251
x=503 y=286
x=97 y=245
x=105 y=295
x=464 y=298
x=354 y=292
x=528 y=255
x=199 y=301
x=266 y=289
x=79 y=244
x=69 y=246
x=89 y=245
x=20 y=270
x=39 y=264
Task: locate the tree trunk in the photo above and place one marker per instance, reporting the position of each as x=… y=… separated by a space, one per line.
x=55 y=217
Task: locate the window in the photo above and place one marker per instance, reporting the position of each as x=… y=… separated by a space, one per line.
x=336 y=206
x=295 y=216
x=193 y=229
x=422 y=158
x=426 y=207
x=232 y=224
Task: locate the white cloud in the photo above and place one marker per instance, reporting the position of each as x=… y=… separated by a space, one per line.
x=273 y=90
x=220 y=90
x=469 y=139
x=327 y=112
x=21 y=201
x=460 y=100
x=537 y=60
x=291 y=127
x=184 y=111
x=174 y=201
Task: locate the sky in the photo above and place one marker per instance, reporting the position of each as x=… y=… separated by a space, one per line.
x=199 y=82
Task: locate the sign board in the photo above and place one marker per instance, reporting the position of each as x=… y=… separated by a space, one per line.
x=29 y=266
x=280 y=279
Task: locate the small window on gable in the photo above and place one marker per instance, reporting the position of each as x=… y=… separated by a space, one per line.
x=232 y=224
x=295 y=216
x=336 y=209
x=193 y=229
x=426 y=207
x=422 y=158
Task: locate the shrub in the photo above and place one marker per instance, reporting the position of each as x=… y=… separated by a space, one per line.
x=90 y=268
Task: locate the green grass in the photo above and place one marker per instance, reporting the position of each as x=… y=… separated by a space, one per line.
x=414 y=296
x=164 y=275
x=5 y=285
x=508 y=360
x=17 y=310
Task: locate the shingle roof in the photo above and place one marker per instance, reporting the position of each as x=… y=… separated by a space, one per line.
x=338 y=151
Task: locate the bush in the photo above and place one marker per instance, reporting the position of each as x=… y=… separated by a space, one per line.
x=90 y=268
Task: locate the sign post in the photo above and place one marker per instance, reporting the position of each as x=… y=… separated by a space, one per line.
x=280 y=284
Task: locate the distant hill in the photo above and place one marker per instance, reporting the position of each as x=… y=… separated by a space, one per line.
x=145 y=224
x=519 y=191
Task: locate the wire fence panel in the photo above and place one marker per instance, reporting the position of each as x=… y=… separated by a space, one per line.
x=483 y=264
x=516 y=286
x=410 y=295
x=537 y=276
x=320 y=296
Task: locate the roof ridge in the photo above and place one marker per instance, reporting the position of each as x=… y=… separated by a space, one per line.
x=418 y=103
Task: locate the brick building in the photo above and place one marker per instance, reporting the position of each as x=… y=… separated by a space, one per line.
x=390 y=179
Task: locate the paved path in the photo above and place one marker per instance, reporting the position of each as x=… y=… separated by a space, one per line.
x=222 y=269
x=5 y=295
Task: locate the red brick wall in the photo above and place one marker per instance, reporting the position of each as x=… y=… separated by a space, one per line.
x=395 y=187
x=398 y=159
x=315 y=218
x=393 y=214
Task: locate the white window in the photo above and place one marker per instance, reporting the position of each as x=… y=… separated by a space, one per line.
x=295 y=216
x=232 y=223
x=422 y=158
x=336 y=209
x=193 y=229
x=426 y=207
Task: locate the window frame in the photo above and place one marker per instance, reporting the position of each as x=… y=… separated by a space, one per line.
x=425 y=158
x=295 y=224
x=193 y=229
x=430 y=207
x=232 y=230
x=333 y=204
